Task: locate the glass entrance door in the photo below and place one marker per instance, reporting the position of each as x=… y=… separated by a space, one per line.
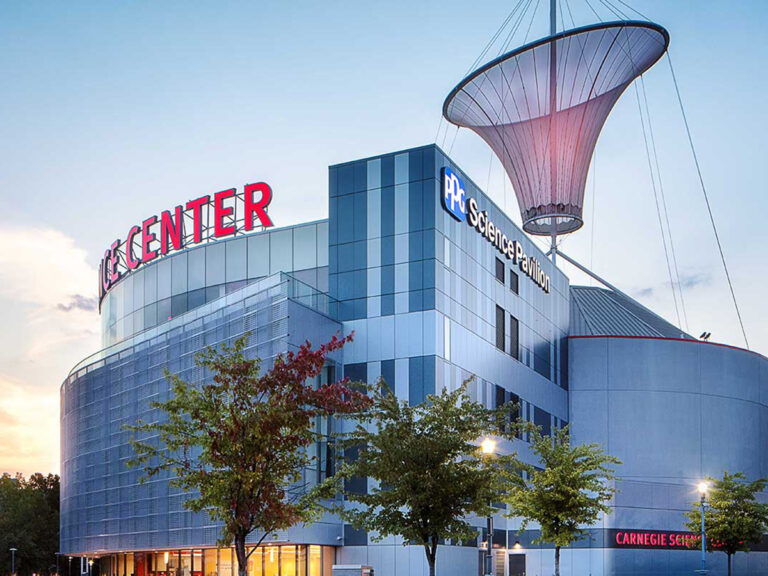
x=517 y=565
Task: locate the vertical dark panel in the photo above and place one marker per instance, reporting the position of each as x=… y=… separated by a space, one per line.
x=416 y=380
x=499 y=327
x=388 y=374
x=514 y=332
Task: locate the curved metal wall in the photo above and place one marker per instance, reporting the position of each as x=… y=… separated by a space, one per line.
x=673 y=411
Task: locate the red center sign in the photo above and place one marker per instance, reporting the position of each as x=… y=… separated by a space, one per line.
x=197 y=221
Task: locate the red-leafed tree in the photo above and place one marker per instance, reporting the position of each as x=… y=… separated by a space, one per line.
x=238 y=442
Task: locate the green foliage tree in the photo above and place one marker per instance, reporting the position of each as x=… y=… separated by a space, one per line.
x=571 y=491
x=733 y=518
x=428 y=472
x=29 y=522
x=237 y=443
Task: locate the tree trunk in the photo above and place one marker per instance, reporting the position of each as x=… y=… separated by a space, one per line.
x=557 y=560
x=729 y=564
x=242 y=558
x=431 y=550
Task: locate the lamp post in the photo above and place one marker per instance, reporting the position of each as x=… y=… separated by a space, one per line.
x=13 y=561
x=69 y=566
x=703 y=487
x=90 y=567
x=488 y=446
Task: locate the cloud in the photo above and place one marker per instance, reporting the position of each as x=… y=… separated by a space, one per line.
x=694 y=280
x=42 y=266
x=48 y=304
x=79 y=302
x=645 y=292
x=29 y=428
x=687 y=282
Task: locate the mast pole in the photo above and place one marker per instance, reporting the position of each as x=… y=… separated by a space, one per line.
x=552 y=120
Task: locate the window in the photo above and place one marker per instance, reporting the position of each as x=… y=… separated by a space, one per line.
x=513 y=282
x=499 y=270
x=514 y=333
x=500 y=328
x=542 y=419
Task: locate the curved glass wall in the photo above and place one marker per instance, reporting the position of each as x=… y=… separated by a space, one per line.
x=183 y=281
x=104 y=507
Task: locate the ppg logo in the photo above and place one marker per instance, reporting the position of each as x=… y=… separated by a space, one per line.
x=454 y=199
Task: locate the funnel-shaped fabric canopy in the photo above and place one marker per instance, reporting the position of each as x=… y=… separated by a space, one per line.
x=543 y=121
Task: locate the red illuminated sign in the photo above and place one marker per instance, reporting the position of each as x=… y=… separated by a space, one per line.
x=199 y=220
x=654 y=539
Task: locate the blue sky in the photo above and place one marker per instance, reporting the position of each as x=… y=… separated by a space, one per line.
x=113 y=111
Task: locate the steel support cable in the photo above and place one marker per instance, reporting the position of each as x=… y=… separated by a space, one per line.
x=594 y=11
x=658 y=209
x=516 y=26
x=594 y=202
x=568 y=7
x=512 y=32
x=480 y=57
x=655 y=194
x=633 y=10
x=618 y=10
x=502 y=133
x=663 y=200
x=612 y=10
x=499 y=131
x=706 y=199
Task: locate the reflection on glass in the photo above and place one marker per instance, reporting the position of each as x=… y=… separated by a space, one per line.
x=215 y=264
x=196 y=268
x=226 y=566
x=258 y=256
x=254 y=563
x=179 y=274
x=209 y=562
x=271 y=560
x=287 y=561
x=163 y=279
x=302 y=563
x=315 y=561
x=236 y=260
x=186 y=563
x=304 y=251
x=281 y=251
x=329 y=556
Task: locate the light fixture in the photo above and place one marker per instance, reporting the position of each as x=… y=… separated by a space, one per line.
x=517 y=545
x=703 y=488
x=166 y=558
x=488 y=445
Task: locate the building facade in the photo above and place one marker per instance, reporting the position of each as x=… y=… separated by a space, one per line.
x=439 y=286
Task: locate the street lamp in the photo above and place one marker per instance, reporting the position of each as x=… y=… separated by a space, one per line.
x=90 y=567
x=69 y=566
x=703 y=487
x=488 y=447
x=13 y=561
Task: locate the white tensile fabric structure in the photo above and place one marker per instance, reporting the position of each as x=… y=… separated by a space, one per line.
x=543 y=121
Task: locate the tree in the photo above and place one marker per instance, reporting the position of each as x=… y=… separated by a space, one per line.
x=426 y=465
x=570 y=492
x=237 y=443
x=29 y=522
x=733 y=518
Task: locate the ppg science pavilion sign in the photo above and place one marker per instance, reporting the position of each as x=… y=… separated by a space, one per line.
x=465 y=209
x=229 y=212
